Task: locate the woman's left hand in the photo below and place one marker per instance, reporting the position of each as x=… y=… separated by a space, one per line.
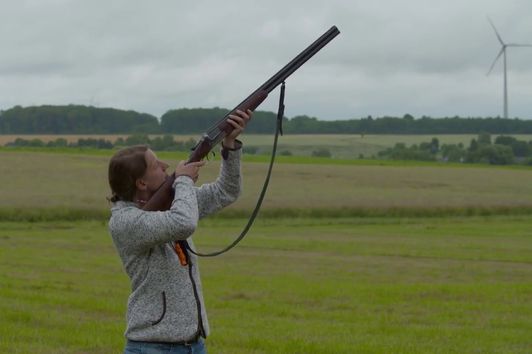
x=238 y=121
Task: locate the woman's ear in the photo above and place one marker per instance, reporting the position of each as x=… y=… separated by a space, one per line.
x=140 y=184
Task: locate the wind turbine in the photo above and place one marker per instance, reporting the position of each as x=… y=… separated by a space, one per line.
x=503 y=53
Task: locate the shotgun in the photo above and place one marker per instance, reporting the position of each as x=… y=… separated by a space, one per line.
x=163 y=197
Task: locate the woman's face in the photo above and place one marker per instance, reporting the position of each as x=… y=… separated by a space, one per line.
x=155 y=172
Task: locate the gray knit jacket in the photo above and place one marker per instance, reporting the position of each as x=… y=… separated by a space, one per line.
x=166 y=301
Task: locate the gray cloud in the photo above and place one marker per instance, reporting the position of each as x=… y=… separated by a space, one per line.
x=392 y=57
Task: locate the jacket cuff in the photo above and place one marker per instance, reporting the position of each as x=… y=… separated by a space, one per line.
x=182 y=179
x=225 y=150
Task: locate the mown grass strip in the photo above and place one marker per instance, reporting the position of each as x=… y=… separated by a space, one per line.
x=69 y=214
x=52 y=214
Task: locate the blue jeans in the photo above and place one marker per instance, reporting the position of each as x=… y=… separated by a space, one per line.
x=167 y=348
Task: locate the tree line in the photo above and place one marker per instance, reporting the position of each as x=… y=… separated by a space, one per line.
x=78 y=119
x=75 y=119
x=158 y=143
x=503 y=150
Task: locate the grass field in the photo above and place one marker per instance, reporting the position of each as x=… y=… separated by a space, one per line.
x=78 y=181
x=311 y=277
x=354 y=285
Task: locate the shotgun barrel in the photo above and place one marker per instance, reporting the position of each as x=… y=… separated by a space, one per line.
x=220 y=129
x=162 y=198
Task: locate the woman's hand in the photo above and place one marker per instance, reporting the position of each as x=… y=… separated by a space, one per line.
x=238 y=121
x=189 y=169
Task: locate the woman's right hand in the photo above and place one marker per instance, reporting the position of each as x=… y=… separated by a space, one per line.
x=189 y=169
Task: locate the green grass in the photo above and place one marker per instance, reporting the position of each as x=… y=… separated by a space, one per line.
x=297 y=285
x=50 y=186
x=450 y=272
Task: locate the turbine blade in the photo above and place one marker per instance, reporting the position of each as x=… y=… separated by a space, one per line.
x=496 y=33
x=518 y=45
x=495 y=61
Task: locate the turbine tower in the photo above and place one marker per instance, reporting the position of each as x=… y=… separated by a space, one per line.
x=503 y=53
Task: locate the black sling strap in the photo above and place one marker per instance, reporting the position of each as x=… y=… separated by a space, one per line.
x=278 y=130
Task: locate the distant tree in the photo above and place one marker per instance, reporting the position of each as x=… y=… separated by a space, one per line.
x=321 y=152
x=473 y=146
x=195 y=120
x=493 y=154
x=520 y=148
x=505 y=140
x=401 y=152
x=303 y=125
x=484 y=139
x=137 y=139
x=286 y=153
x=434 y=145
x=59 y=142
x=453 y=152
x=166 y=142
x=250 y=150
x=95 y=143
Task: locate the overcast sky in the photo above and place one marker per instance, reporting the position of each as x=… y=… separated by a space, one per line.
x=420 y=57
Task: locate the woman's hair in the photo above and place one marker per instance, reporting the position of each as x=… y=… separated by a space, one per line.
x=125 y=167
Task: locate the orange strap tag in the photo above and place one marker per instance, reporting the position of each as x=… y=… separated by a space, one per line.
x=180 y=254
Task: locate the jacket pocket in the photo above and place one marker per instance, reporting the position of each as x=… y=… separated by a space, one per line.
x=153 y=323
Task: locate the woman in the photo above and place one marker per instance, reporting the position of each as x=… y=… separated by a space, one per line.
x=165 y=311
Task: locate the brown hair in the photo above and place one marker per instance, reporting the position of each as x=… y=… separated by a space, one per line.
x=125 y=167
